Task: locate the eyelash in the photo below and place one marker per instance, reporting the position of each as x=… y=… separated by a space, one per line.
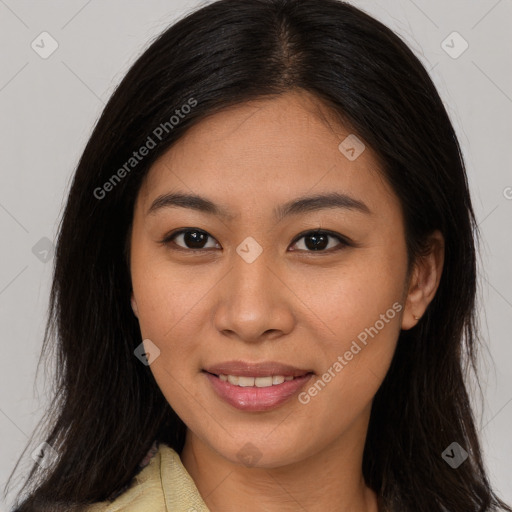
x=168 y=240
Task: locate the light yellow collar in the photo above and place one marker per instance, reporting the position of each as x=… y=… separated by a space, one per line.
x=164 y=485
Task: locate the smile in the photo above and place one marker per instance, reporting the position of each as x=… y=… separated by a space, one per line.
x=252 y=394
x=259 y=382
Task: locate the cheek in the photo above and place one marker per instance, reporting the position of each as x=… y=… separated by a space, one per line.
x=169 y=305
x=164 y=293
x=355 y=360
x=173 y=313
x=360 y=313
x=353 y=297
x=168 y=302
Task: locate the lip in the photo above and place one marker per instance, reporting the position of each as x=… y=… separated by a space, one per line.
x=264 y=369
x=254 y=399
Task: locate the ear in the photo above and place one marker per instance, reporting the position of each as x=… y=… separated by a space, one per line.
x=424 y=280
x=134 y=306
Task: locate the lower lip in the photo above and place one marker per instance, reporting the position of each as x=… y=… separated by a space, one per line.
x=257 y=399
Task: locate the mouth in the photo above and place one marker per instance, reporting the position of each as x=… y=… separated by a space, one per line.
x=253 y=388
x=239 y=368
x=258 y=382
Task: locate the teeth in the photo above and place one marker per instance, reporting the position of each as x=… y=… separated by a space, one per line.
x=244 y=381
x=263 y=382
x=259 y=382
x=233 y=379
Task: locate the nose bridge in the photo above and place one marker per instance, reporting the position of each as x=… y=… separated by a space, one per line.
x=251 y=275
x=251 y=303
x=252 y=261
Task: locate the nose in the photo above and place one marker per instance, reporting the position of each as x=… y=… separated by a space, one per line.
x=254 y=303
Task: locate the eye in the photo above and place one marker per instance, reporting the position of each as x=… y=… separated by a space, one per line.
x=193 y=239
x=318 y=241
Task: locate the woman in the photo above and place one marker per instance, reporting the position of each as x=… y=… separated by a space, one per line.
x=264 y=291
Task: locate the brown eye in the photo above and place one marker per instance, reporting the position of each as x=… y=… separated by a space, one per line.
x=189 y=239
x=192 y=239
x=319 y=241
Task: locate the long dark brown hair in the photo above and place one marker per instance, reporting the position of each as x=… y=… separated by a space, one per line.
x=107 y=408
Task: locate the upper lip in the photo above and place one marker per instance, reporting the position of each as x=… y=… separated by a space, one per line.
x=246 y=369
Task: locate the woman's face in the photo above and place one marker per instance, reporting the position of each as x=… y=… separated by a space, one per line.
x=249 y=286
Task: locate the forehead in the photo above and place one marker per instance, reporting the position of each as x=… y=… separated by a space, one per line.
x=279 y=147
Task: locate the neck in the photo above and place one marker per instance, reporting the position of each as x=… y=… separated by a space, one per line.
x=330 y=479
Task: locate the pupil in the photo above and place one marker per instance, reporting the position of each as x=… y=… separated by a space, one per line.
x=194 y=239
x=319 y=242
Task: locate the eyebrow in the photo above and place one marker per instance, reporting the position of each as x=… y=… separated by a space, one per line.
x=297 y=206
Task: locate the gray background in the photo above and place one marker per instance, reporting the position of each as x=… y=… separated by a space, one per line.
x=48 y=107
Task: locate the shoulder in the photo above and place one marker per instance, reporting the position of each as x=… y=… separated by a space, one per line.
x=162 y=485
x=145 y=492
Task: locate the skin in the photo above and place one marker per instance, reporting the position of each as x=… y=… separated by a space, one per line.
x=300 y=307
